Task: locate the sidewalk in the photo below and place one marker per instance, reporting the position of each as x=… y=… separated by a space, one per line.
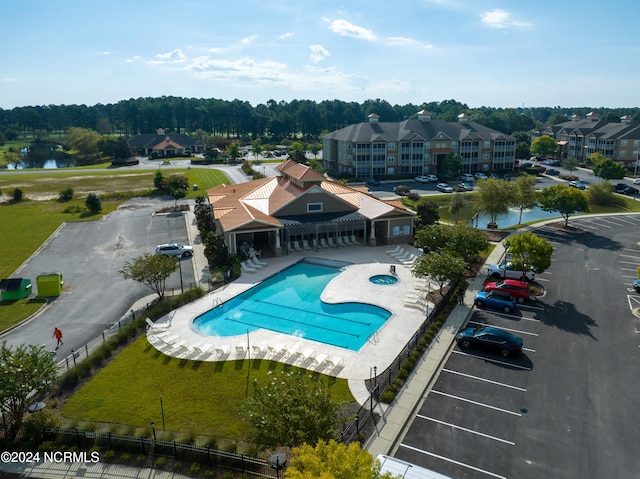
x=67 y=470
x=398 y=416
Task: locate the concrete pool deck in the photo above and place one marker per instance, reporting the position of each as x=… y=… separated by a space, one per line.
x=180 y=339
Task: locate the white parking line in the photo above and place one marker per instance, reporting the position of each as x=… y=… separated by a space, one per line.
x=458 y=463
x=529 y=350
x=476 y=403
x=437 y=421
x=491 y=360
x=484 y=380
x=528 y=306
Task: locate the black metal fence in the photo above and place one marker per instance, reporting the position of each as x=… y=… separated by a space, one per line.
x=213 y=459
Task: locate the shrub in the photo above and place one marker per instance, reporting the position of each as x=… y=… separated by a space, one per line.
x=17 y=195
x=93 y=203
x=110 y=454
x=161 y=462
x=387 y=396
x=403 y=373
x=66 y=194
x=125 y=456
x=72 y=210
x=194 y=469
x=413 y=195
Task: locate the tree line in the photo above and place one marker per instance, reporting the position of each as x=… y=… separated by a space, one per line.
x=277 y=120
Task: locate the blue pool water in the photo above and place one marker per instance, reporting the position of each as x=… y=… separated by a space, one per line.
x=289 y=302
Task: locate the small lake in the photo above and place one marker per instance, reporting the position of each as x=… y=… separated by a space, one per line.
x=513 y=216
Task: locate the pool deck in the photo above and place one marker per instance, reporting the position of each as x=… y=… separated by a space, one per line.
x=175 y=335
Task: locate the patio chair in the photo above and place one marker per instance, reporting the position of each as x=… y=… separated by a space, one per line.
x=354 y=241
x=292 y=248
x=171 y=340
x=256 y=261
x=309 y=355
x=346 y=241
x=163 y=334
x=323 y=243
x=273 y=351
x=223 y=351
x=395 y=250
x=203 y=348
x=339 y=241
x=294 y=354
x=305 y=245
x=321 y=359
x=246 y=268
x=240 y=351
x=330 y=242
x=315 y=244
x=335 y=362
x=296 y=245
x=259 y=350
x=156 y=326
x=255 y=264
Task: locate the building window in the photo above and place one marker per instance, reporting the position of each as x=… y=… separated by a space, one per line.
x=623 y=142
x=487 y=144
x=485 y=156
x=391 y=159
x=314 y=207
x=427 y=145
x=391 y=146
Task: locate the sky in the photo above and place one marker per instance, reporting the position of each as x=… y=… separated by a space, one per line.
x=500 y=53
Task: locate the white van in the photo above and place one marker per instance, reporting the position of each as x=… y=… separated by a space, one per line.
x=466 y=177
x=406 y=470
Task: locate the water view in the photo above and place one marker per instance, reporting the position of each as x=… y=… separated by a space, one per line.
x=513 y=216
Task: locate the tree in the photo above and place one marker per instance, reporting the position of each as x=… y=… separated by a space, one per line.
x=570 y=164
x=563 y=199
x=82 y=142
x=12 y=158
x=460 y=241
x=177 y=186
x=452 y=163
x=158 y=180
x=333 y=460
x=456 y=204
x=151 y=270
x=297 y=152
x=427 y=213
x=601 y=194
x=441 y=266
x=606 y=168
x=544 y=146
x=256 y=148
x=524 y=193
x=233 y=150
x=315 y=148
x=215 y=250
x=23 y=371
x=493 y=197
x=528 y=250
x=292 y=409
x=121 y=151
x=65 y=194
x=16 y=195
x=93 y=203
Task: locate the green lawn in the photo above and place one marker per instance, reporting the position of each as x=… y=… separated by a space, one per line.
x=201 y=398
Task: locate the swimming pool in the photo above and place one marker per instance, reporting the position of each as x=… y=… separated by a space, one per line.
x=289 y=302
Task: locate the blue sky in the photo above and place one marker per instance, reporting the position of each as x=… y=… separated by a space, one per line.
x=499 y=53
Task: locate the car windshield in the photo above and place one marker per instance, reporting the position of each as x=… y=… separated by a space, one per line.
x=499 y=284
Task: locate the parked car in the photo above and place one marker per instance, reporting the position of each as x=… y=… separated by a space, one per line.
x=174 y=249
x=630 y=190
x=551 y=163
x=504 y=271
x=426 y=179
x=495 y=300
x=466 y=177
x=489 y=338
x=402 y=190
x=480 y=176
x=636 y=285
x=552 y=172
x=506 y=177
x=517 y=289
x=636 y=181
x=577 y=184
x=444 y=188
x=373 y=182
x=465 y=186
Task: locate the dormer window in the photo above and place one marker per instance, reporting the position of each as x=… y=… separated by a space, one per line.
x=314 y=207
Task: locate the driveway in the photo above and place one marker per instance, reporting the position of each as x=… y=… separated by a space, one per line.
x=89 y=255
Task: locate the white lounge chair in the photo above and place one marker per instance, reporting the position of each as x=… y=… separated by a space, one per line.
x=410 y=260
x=323 y=243
x=162 y=334
x=181 y=344
x=246 y=268
x=305 y=245
x=354 y=241
x=258 y=350
x=315 y=244
x=292 y=248
x=309 y=354
x=294 y=354
x=403 y=253
x=296 y=245
x=346 y=241
x=339 y=241
x=335 y=362
x=395 y=250
x=321 y=359
x=257 y=261
x=240 y=351
x=202 y=348
x=223 y=351
x=330 y=242
x=156 y=326
x=273 y=351
x=171 y=340
x=254 y=263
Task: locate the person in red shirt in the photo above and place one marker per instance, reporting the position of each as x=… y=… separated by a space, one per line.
x=58 y=335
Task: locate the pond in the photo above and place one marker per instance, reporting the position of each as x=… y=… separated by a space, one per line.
x=512 y=218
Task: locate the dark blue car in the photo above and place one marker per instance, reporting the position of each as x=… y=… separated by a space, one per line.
x=496 y=300
x=492 y=339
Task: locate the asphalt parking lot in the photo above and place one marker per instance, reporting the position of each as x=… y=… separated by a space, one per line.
x=565 y=408
x=90 y=255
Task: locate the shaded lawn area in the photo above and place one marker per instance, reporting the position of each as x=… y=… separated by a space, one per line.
x=198 y=397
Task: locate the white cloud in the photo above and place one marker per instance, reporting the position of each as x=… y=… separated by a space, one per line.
x=404 y=41
x=134 y=59
x=285 y=35
x=174 y=56
x=318 y=53
x=497 y=18
x=247 y=40
x=104 y=53
x=217 y=50
x=344 y=28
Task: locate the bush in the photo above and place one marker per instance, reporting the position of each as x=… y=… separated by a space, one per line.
x=66 y=194
x=93 y=203
x=161 y=462
x=72 y=210
x=109 y=455
x=17 y=195
x=387 y=396
x=194 y=469
x=413 y=196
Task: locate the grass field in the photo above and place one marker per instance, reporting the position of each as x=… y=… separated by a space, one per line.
x=201 y=398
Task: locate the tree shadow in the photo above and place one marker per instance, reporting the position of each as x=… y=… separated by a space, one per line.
x=566 y=317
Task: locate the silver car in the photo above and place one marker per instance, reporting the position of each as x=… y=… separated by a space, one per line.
x=174 y=249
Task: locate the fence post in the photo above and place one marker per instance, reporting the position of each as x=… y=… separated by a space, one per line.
x=142 y=443
x=86 y=349
x=109 y=436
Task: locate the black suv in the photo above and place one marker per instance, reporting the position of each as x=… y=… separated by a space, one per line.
x=373 y=182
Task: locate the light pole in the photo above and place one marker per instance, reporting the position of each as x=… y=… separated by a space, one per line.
x=180 y=268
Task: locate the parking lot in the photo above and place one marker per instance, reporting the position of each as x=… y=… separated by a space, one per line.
x=566 y=407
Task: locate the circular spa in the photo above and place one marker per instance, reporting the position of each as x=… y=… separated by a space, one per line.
x=383 y=279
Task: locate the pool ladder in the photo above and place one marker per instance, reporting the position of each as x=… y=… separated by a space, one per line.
x=373 y=338
x=217 y=302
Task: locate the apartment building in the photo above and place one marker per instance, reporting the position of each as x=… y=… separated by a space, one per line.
x=415 y=147
x=580 y=137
